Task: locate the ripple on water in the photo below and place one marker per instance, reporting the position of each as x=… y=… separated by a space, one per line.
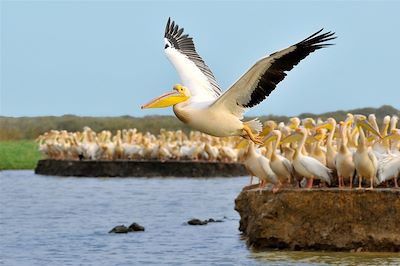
x=65 y=221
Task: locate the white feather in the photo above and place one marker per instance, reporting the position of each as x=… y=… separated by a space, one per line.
x=191 y=76
x=316 y=168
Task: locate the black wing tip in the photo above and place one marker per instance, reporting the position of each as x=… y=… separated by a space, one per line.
x=318 y=39
x=172 y=29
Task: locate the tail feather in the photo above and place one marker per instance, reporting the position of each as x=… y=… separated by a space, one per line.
x=255 y=125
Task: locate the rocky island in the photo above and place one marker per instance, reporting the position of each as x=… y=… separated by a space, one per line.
x=321 y=219
x=139 y=168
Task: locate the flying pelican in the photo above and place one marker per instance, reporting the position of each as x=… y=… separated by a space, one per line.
x=199 y=101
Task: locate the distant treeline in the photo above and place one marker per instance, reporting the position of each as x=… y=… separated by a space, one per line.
x=17 y=128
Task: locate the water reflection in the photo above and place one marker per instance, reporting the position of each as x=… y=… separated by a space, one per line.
x=325 y=258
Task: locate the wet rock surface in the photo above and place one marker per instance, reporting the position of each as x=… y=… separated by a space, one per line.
x=119 y=229
x=122 y=229
x=321 y=219
x=142 y=168
x=135 y=227
x=196 y=221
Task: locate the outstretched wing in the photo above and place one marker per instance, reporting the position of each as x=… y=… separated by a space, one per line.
x=261 y=79
x=192 y=70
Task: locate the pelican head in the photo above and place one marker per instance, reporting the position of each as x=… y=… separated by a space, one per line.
x=309 y=123
x=294 y=123
x=394 y=134
x=296 y=136
x=349 y=119
x=329 y=124
x=272 y=136
x=361 y=121
x=178 y=95
x=268 y=127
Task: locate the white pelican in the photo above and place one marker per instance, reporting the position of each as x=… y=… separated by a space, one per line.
x=389 y=167
x=307 y=166
x=199 y=101
x=281 y=166
x=258 y=165
x=344 y=159
x=364 y=159
x=330 y=124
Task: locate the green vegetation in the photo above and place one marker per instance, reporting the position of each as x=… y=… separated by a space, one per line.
x=21 y=154
x=12 y=128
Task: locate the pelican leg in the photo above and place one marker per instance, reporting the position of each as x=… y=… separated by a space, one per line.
x=276 y=187
x=310 y=182
x=351 y=181
x=359 y=182
x=340 y=181
x=395 y=182
x=256 y=139
x=262 y=185
x=371 y=187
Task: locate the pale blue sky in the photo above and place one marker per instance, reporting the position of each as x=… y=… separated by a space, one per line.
x=106 y=58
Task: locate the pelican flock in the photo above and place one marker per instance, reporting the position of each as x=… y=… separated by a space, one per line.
x=286 y=157
x=130 y=144
x=199 y=101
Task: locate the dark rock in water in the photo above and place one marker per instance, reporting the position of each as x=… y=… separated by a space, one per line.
x=203 y=222
x=135 y=227
x=197 y=222
x=211 y=220
x=321 y=219
x=119 y=229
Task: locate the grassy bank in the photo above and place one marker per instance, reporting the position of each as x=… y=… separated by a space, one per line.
x=21 y=154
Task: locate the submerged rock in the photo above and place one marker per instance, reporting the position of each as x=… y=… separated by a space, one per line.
x=122 y=229
x=321 y=219
x=211 y=220
x=119 y=229
x=135 y=227
x=197 y=222
x=203 y=222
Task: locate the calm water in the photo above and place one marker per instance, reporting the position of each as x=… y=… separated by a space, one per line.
x=65 y=221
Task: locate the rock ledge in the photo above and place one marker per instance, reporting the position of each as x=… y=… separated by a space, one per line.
x=142 y=168
x=321 y=219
